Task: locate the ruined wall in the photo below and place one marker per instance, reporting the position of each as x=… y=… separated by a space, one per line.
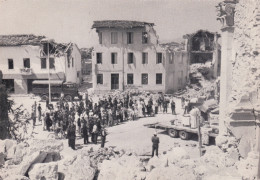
x=246 y=49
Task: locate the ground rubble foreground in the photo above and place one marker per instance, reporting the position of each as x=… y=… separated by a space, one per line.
x=51 y=159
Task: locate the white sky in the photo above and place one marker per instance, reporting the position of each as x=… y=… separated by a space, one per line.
x=71 y=20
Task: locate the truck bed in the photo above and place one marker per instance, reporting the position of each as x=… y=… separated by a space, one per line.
x=167 y=125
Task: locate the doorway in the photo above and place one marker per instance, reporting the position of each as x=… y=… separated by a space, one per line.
x=114 y=81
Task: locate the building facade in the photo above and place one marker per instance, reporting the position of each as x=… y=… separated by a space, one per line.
x=129 y=56
x=203 y=47
x=23 y=58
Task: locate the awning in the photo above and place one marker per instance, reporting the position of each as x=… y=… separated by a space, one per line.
x=47 y=82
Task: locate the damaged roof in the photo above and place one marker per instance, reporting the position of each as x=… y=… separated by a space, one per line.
x=173 y=46
x=21 y=39
x=120 y=24
x=201 y=31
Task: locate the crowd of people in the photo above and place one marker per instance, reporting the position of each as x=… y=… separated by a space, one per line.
x=89 y=119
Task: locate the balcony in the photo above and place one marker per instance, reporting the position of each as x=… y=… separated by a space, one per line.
x=26 y=71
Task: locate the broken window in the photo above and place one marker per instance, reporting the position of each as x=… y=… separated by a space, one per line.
x=52 y=63
x=158 y=58
x=159 y=78
x=130 y=37
x=113 y=37
x=130 y=78
x=99 y=78
x=144 y=37
x=43 y=63
x=145 y=78
x=26 y=63
x=10 y=64
x=99 y=58
x=130 y=58
x=145 y=58
x=113 y=58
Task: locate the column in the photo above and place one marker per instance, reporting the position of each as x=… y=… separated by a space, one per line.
x=226 y=76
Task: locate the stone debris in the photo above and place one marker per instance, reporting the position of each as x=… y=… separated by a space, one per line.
x=44 y=171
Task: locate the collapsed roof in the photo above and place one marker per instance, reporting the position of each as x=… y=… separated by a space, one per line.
x=172 y=46
x=120 y=24
x=30 y=39
x=21 y=39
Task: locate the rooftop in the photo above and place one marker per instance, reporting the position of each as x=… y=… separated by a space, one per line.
x=120 y=24
x=21 y=39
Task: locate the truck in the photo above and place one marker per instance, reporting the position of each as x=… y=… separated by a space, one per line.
x=180 y=125
x=58 y=87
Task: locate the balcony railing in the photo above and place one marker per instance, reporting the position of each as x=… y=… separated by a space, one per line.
x=26 y=71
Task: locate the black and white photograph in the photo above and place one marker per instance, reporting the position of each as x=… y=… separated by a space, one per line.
x=129 y=90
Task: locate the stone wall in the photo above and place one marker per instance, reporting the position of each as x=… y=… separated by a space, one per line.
x=246 y=49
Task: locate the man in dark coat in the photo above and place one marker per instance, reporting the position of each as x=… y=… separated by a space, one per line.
x=71 y=135
x=103 y=137
x=85 y=132
x=39 y=112
x=48 y=121
x=155 y=146
x=173 y=107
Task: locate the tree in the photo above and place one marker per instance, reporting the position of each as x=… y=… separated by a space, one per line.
x=4 y=107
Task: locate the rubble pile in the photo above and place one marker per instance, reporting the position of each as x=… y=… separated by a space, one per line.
x=49 y=159
x=201 y=81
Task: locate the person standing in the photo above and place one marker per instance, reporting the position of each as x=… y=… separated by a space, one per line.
x=71 y=133
x=155 y=147
x=85 y=132
x=103 y=137
x=48 y=121
x=95 y=133
x=165 y=106
x=173 y=107
x=186 y=105
x=39 y=113
x=194 y=117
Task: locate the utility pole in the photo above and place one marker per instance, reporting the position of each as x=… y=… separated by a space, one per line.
x=48 y=64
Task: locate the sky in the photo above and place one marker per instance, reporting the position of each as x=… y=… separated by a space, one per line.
x=71 y=20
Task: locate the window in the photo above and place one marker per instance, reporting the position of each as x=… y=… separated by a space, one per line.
x=78 y=74
x=99 y=58
x=145 y=58
x=130 y=78
x=144 y=37
x=100 y=37
x=113 y=37
x=52 y=63
x=10 y=64
x=26 y=63
x=159 y=78
x=130 y=58
x=144 y=78
x=159 y=58
x=99 y=78
x=72 y=62
x=43 y=63
x=113 y=58
x=130 y=37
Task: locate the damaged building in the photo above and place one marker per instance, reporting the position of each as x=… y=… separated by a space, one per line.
x=23 y=59
x=129 y=56
x=203 y=47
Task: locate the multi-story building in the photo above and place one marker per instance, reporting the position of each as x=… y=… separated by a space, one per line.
x=129 y=56
x=23 y=58
x=203 y=47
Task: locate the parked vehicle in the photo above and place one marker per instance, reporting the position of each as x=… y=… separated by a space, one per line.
x=69 y=90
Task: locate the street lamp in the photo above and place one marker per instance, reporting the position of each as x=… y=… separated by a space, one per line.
x=48 y=41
